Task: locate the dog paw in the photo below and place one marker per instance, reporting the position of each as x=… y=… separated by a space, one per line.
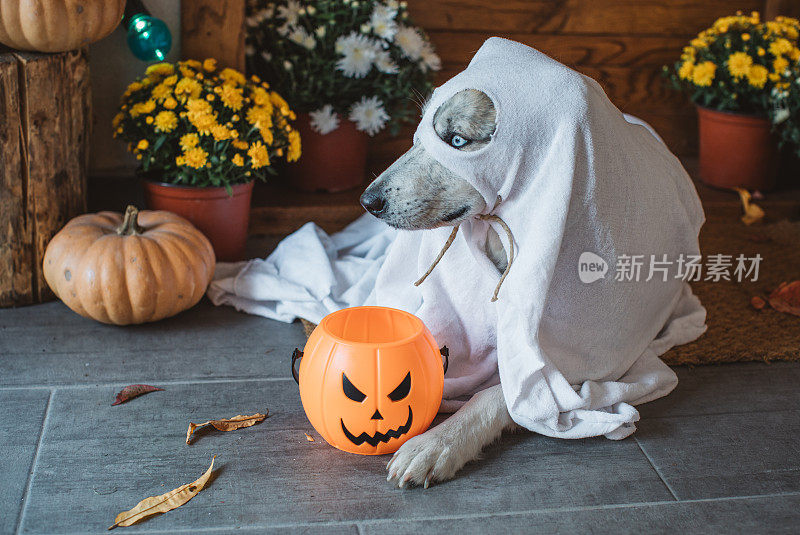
x=424 y=459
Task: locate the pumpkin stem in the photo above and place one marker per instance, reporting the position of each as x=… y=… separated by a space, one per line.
x=130 y=225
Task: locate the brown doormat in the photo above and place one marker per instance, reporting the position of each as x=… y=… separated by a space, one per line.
x=737 y=331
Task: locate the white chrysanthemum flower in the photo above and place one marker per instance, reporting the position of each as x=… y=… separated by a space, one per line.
x=430 y=60
x=249 y=50
x=266 y=13
x=393 y=4
x=287 y=65
x=357 y=53
x=369 y=115
x=382 y=22
x=320 y=31
x=324 y=120
x=251 y=22
x=284 y=29
x=266 y=55
x=290 y=12
x=365 y=28
x=384 y=62
x=301 y=37
x=410 y=42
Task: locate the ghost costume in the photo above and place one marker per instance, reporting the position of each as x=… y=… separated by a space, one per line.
x=564 y=174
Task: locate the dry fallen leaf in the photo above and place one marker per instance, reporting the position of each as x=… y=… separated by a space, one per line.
x=228 y=424
x=752 y=212
x=786 y=298
x=166 y=502
x=309 y=437
x=132 y=391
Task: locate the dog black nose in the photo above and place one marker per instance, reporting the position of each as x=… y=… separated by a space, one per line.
x=373 y=202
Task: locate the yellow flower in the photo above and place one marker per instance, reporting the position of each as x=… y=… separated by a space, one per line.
x=780 y=64
x=685 y=72
x=166 y=121
x=780 y=46
x=210 y=97
x=210 y=64
x=160 y=69
x=278 y=101
x=698 y=42
x=117 y=120
x=161 y=91
x=142 y=107
x=260 y=97
x=143 y=144
x=237 y=160
x=188 y=86
x=221 y=133
x=170 y=80
x=745 y=37
x=193 y=63
x=149 y=119
x=259 y=156
x=293 y=152
x=757 y=76
x=231 y=97
x=760 y=51
x=180 y=160
x=260 y=117
x=132 y=88
x=198 y=105
x=170 y=103
x=703 y=73
x=267 y=136
x=188 y=141
x=239 y=144
x=195 y=157
x=203 y=122
x=232 y=76
x=739 y=64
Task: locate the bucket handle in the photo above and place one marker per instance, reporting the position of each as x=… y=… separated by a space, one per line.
x=297 y=355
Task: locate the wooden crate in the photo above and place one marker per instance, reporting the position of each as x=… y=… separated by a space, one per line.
x=45 y=108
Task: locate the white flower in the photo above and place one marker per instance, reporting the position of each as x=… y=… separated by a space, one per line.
x=249 y=50
x=290 y=12
x=299 y=36
x=385 y=12
x=320 y=31
x=324 y=120
x=382 y=22
x=393 y=4
x=266 y=13
x=251 y=22
x=287 y=65
x=781 y=115
x=410 y=42
x=311 y=10
x=357 y=53
x=369 y=115
x=284 y=29
x=266 y=55
x=365 y=28
x=430 y=60
x=384 y=62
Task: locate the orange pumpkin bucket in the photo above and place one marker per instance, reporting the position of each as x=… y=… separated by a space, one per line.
x=370 y=378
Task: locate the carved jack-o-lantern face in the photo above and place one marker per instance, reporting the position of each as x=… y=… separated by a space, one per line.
x=370 y=379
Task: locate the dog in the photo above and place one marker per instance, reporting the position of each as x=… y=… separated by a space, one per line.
x=417 y=192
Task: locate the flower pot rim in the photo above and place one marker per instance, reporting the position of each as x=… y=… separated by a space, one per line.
x=187 y=187
x=733 y=113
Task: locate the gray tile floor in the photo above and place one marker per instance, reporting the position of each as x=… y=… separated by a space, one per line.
x=719 y=455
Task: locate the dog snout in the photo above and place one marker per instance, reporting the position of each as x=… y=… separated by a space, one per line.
x=375 y=203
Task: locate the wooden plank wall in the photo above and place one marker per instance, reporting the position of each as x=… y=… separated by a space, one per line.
x=621 y=43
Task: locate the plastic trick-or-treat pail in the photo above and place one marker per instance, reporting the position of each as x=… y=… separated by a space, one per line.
x=370 y=378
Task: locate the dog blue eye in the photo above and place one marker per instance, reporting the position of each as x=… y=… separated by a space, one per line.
x=458 y=141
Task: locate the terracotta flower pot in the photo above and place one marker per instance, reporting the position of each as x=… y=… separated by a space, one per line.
x=331 y=162
x=221 y=217
x=736 y=150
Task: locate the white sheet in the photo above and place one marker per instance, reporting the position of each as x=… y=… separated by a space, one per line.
x=574 y=176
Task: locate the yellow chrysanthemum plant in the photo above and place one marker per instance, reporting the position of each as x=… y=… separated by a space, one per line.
x=194 y=124
x=736 y=63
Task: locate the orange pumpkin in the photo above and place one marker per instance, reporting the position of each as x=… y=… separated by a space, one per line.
x=370 y=378
x=143 y=267
x=57 y=25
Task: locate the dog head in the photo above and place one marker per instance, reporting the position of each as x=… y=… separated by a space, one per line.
x=416 y=191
